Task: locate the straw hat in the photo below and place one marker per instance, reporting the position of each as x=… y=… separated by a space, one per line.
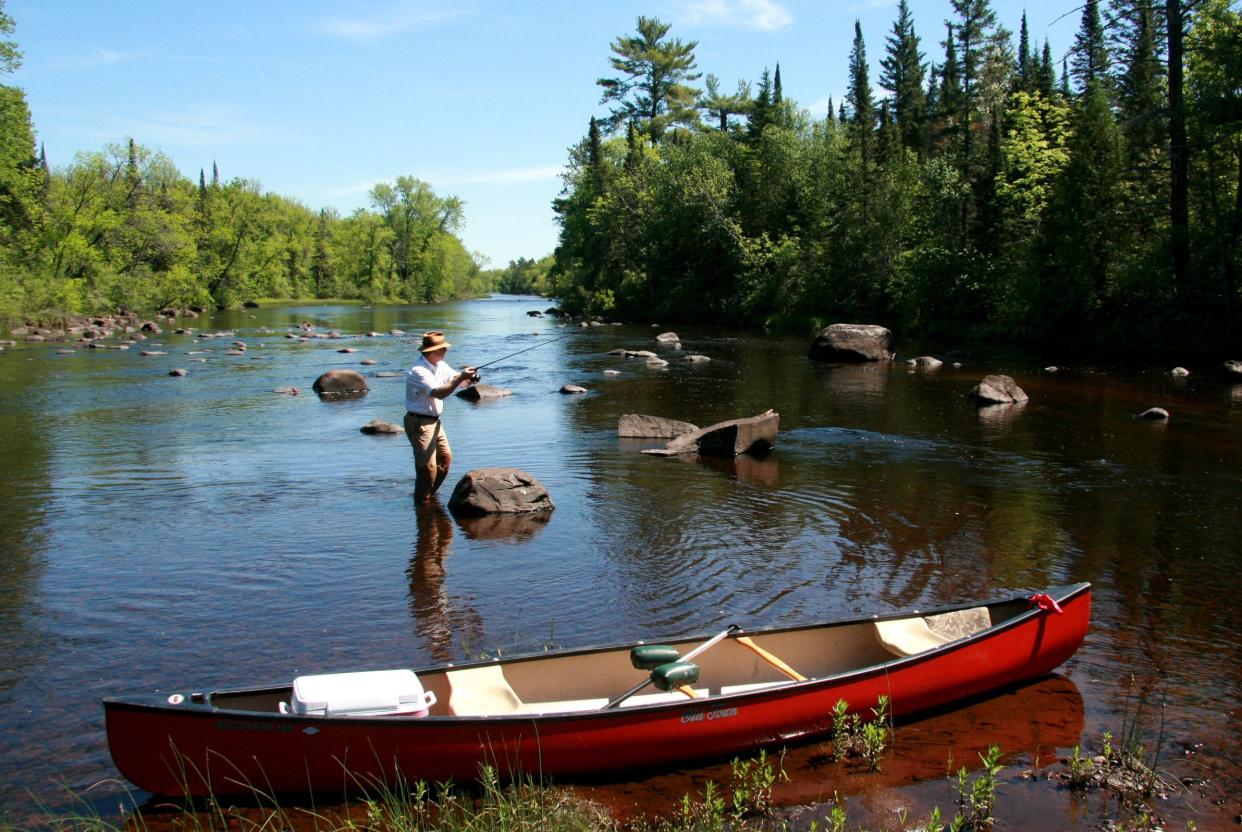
x=433 y=341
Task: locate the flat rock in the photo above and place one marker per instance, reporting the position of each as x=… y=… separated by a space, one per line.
x=368 y=362
x=726 y=439
x=291 y=391
x=638 y=426
x=499 y=491
x=852 y=343
x=929 y=362
x=340 y=383
x=1154 y=414
x=152 y=352
x=348 y=349
x=668 y=338
x=480 y=392
x=612 y=372
x=998 y=389
x=379 y=426
x=697 y=359
x=573 y=388
x=656 y=362
x=388 y=374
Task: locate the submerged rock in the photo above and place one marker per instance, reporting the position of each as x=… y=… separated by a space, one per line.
x=573 y=388
x=1154 y=414
x=379 y=426
x=998 y=389
x=340 y=383
x=499 y=491
x=638 y=426
x=479 y=392
x=755 y=434
x=852 y=343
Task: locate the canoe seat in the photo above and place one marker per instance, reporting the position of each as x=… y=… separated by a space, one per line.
x=480 y=691
x=908 y=636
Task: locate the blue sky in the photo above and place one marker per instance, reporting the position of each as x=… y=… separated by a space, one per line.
x=319 y=100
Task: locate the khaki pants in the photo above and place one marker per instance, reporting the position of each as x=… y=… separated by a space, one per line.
x=432 y=454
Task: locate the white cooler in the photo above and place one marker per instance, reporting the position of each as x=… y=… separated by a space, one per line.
x=372 y=693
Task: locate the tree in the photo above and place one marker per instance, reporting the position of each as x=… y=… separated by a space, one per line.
x=903 y=75
x=653 y=90
x=416 y=217
x=1089 y=64
x=10 y=55
x=722 y=107
x=862 y=105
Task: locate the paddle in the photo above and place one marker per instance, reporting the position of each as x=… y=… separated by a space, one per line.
x=711 y=642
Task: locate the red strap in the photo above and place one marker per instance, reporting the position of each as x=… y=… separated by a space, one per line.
x=1045 y=602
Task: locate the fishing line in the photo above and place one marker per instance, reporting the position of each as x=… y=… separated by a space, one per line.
x=528 y=349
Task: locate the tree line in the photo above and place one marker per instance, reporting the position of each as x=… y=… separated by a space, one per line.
x=122 y=228
x=990 y=189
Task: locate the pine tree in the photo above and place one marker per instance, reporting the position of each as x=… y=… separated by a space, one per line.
x=862 y=105
x=761 y=109
x=950 y=107
x=720 y=106
x=1139 y=84
x=976 y=25
x=653 y=88
x=1027 y=70
x=1046 y=82
x=1090 y=55
x=903 y=74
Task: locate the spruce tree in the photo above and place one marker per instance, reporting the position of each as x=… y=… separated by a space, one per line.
x=1046 y=81
x=1027 y=69
x=1139 y=84
x=1090 y=55
x=903 y=74
x=976 y=25
x=862 y=105
x=761 y=109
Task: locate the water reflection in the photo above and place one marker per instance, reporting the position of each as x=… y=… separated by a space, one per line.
x=855 y=379
x=760 y=469
x=514 y=528
x=1032 y=724
x=436 y=618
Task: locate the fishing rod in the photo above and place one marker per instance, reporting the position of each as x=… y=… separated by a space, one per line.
x=519 y=352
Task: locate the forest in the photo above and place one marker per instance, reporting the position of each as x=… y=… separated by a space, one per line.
x=989 y=189
x=122 y=228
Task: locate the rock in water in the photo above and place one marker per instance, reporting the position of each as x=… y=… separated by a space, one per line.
x=852 y=343
x=379 y=426
x=668 y=338
x=1232 y=368
x=573 y=388
x=638 y=426
x=998 y=389
x=479 y=392
x=340 y=383
x=726 y=439
x=1154 y=413
x=499 y=491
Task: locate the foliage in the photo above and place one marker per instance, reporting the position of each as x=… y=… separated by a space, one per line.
x=122 y=228
x=982 y=197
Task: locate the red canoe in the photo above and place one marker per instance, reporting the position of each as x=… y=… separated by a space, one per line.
x=587 y=711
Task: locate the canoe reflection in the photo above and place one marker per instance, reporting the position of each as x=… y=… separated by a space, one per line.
x=1029 y=723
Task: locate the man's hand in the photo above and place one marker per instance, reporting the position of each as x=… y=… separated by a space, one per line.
x=470 y=375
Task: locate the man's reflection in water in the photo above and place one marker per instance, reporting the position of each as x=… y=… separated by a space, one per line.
x=434 y=617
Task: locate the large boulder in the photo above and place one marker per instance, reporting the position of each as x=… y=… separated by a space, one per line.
x=341 y=383
x=998 y=389
x=499 y=491
x=852 y=343
x=755 y=434
x=638 y=426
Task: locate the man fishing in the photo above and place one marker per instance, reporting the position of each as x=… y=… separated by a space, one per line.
x=430 y=381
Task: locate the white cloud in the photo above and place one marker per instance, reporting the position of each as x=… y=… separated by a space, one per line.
x=100 y=57
x=748 y=14
x=203 y=126
x=396 y=18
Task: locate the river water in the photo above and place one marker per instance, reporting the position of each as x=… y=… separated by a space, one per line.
x=206 y=531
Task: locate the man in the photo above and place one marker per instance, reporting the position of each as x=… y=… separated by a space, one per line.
x=428 y=384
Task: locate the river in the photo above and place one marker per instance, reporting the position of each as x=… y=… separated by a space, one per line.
x=198 y=532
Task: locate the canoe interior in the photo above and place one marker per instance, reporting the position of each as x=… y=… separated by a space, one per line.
x=583 y=681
